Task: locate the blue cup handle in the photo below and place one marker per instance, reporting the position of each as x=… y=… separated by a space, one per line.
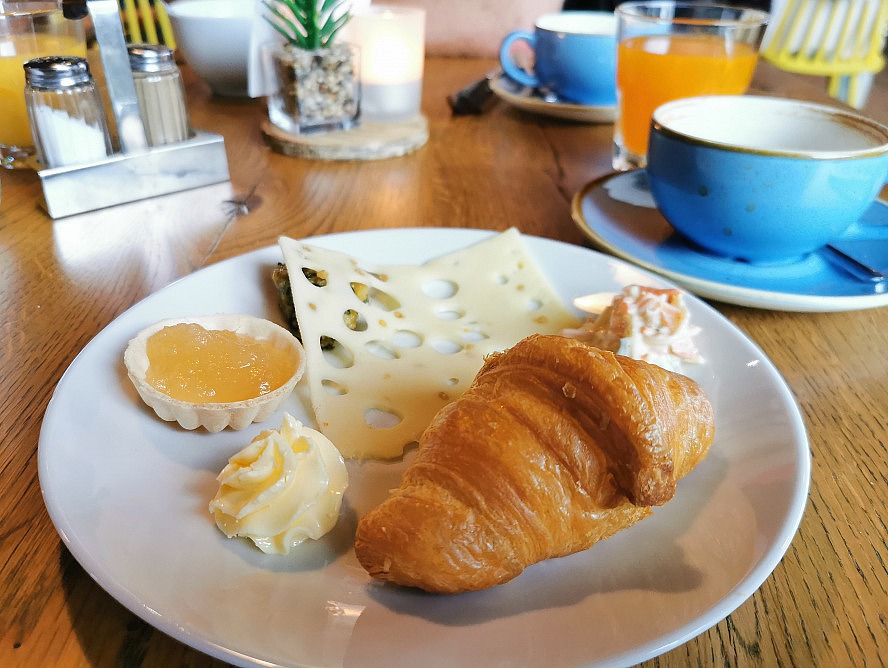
x=861 y=230
x=509 y=67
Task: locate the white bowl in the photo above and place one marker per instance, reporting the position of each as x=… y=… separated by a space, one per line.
x=213 y=37
x=213 y=417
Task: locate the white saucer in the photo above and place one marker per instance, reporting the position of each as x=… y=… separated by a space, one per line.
x=618 y=214
x=527 y=99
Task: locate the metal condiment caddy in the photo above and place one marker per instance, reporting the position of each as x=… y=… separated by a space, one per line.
x=138 y=171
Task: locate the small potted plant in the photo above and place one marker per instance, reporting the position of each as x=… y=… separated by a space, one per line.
x=319 y=86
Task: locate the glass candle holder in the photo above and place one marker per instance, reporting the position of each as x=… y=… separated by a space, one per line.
x=392 y=45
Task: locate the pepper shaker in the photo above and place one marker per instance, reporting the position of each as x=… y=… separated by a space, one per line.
x=160 y=93
x=65 y=111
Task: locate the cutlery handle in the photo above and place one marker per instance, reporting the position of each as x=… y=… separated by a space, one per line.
x=473 y=98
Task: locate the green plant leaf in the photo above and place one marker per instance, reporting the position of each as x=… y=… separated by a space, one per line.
x=284 y=25
x=330 y=29
x=308 y=24
x=329 y=6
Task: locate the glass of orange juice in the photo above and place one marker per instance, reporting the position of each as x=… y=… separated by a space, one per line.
x=668 y=50
x=28 y=29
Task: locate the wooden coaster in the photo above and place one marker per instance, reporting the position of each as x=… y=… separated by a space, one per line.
x=371 y=140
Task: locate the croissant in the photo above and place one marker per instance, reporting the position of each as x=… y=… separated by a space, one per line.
x=555 y=446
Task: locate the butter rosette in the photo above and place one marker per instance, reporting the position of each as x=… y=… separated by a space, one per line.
x=284 y=487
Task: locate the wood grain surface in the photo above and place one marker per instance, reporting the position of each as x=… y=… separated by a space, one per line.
x=62 y=281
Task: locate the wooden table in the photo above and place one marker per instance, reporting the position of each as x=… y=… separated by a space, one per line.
x=63 y=281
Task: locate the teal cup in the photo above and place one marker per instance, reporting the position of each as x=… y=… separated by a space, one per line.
x=574 y=57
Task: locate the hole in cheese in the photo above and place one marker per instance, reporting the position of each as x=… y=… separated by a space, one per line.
x=315 y=277
x=440 y=289
x=534 y=304
x=381 y=350
x=446 y=346
x=405 y=338
x=475 y=334
x=380 y=299
x=376 y=275
x=337 y=355
x=450 y=313
x=381 y=418
x=354 y=320
x=334 y=388
x=360 y=290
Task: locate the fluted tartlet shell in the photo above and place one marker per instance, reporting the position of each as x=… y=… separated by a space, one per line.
x=213 y=417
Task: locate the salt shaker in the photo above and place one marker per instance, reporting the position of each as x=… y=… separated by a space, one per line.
x=160 y=93
x=65 y=111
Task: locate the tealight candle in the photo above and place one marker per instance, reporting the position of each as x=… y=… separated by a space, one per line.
x=392 y=45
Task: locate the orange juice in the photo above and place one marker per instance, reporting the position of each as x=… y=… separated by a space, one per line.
x=652 y=70
x=15 y=50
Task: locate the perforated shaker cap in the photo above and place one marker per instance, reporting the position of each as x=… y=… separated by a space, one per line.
x=151 y=58
x=51 y=72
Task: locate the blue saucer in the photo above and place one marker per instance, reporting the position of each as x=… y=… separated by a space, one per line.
x=529 y=100
x=618 y=214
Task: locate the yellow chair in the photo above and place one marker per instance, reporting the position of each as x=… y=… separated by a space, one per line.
x=147 y=22
x=838 y=39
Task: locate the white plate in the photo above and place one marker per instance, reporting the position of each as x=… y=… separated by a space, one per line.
x=128 y=494
x=526 y=99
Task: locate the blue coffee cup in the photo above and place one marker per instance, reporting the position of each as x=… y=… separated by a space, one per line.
x=763 y=179
x=574 y=57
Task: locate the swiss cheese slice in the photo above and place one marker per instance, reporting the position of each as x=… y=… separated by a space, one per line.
x=403 y=341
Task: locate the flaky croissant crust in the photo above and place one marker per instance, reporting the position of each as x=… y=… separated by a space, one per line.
x=556 y=445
